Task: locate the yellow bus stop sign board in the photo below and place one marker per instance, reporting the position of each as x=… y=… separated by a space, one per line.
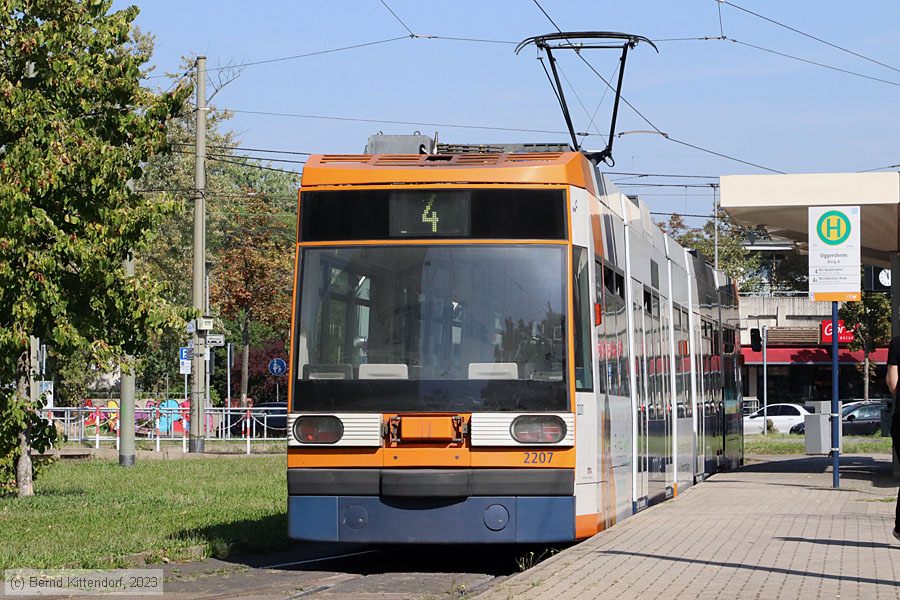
x=834 y=253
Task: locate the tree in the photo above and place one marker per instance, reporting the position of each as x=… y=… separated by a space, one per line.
x=75 y=126
x=734 y=259
x=253 y=276
x=870 y=320
x=235 y=184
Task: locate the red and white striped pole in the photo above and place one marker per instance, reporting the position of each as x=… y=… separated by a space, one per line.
x=97 y=428
x=247 y=418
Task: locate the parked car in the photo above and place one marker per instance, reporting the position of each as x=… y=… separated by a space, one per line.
x=846 y=409
x=864 y=419
x=783 y=417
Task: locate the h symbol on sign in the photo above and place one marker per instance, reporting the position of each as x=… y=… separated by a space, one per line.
x=833 y=225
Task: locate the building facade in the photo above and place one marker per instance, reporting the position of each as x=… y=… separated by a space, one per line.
x=798 y=358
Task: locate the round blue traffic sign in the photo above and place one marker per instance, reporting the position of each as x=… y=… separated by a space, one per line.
x=277 y=366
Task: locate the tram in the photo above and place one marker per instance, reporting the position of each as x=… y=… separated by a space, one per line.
x=497 y=348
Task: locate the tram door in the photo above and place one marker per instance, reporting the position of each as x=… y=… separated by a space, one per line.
x=641 y=393
x=659 y=442
x=700 y=406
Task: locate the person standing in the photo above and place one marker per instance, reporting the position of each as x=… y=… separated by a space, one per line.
x=893 y=365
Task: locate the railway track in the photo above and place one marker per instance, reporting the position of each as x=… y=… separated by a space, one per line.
x=330 y=571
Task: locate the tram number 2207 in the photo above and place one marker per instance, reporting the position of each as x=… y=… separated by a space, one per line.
x=535 y=458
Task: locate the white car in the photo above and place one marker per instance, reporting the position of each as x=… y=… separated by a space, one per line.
x=783 y=417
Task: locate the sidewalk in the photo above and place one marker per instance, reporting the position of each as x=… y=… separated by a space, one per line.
x=773 y=529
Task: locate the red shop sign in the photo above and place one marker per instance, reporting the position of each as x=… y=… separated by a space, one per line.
x=845 y=336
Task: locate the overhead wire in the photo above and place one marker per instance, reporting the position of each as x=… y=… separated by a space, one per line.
x=665 y=185
x=660 y=175
x=252 y=166
x=880 y=168
x=467 y=39
x=648 y=121
x=721 y=25
x=405 y=26
x=672 y=214
x=809 y=35
x=308 y=54
x=394 y=122
x=813 y=62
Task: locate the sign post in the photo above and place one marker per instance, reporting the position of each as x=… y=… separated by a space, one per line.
x=765 y=343
x=277 y=367
x=184 y=366
x=834 y=264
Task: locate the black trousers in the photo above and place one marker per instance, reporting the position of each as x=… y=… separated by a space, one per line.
x=895 y=439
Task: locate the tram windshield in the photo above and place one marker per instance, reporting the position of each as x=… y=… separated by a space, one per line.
x=432 y=328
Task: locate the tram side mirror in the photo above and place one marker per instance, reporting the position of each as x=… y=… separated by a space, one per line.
x=755 y=340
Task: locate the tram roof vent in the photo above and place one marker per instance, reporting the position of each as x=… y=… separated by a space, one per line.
x=359 y=159
x=440 y=160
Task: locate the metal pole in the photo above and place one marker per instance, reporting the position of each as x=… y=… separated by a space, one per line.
x=835 y=401
x=126 y=398
x=34 y=350
x=716 y=227
x=228 y=374
x=198 y=382
x=895 y=331
x=765 y=342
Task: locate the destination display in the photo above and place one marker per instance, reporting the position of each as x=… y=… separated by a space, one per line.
x=436 y=214
x=384 y=214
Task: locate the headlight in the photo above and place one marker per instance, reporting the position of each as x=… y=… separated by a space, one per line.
x=318 y=430
x=538 y=429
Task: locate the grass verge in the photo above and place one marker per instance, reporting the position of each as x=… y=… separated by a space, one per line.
x=94 y=514
x=784 y=443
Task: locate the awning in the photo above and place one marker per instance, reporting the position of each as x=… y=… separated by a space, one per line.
x=780 y=203
x=807 y=355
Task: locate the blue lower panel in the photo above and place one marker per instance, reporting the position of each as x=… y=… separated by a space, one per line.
x=503 y=519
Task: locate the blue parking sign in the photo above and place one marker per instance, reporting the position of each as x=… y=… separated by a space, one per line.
x=184 y=353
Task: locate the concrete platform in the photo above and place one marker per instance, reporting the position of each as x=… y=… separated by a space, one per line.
x=774 y=529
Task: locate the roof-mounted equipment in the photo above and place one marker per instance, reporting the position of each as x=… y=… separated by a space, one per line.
x=587 y=40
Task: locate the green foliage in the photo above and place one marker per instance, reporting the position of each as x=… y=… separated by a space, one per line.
x=791 y=272
x=75 y=127
x=250 y=211
x=734 y=259
x=870 y=319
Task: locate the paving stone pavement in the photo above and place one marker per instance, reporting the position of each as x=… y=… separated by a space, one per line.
x=773 y=529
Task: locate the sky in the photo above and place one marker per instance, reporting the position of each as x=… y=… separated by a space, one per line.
x=722 y=95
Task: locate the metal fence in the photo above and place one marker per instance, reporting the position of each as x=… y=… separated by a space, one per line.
x=100 y=425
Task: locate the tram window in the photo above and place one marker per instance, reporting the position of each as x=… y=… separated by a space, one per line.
x=581 y=294
x=429 y=312
x=602 y=277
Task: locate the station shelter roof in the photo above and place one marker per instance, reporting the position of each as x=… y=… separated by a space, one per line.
x=779 y=203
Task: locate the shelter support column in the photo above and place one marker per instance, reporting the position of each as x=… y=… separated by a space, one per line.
x=895 y=323
x=895 y=293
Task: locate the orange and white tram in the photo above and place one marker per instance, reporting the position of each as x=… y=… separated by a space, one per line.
x=497 y=348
